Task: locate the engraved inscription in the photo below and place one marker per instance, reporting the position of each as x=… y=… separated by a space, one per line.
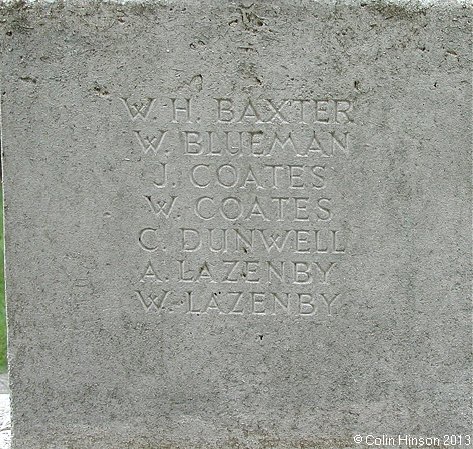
x=243 y=218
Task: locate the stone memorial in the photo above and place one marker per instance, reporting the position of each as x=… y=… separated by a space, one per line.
x=238 y=224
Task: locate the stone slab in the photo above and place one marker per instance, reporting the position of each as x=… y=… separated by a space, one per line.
x=4 y=388
x=5 y=432
x=237 y=224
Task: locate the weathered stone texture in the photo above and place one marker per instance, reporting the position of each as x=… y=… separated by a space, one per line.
x=330 y=144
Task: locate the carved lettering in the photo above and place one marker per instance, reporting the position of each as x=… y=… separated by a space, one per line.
x=245 y=220
x=138 y=109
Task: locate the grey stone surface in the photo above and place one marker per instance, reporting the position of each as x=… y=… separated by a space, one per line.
x=4 y=388
x=339 y=303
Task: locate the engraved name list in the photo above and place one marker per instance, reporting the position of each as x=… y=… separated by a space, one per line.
x=242 y=215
